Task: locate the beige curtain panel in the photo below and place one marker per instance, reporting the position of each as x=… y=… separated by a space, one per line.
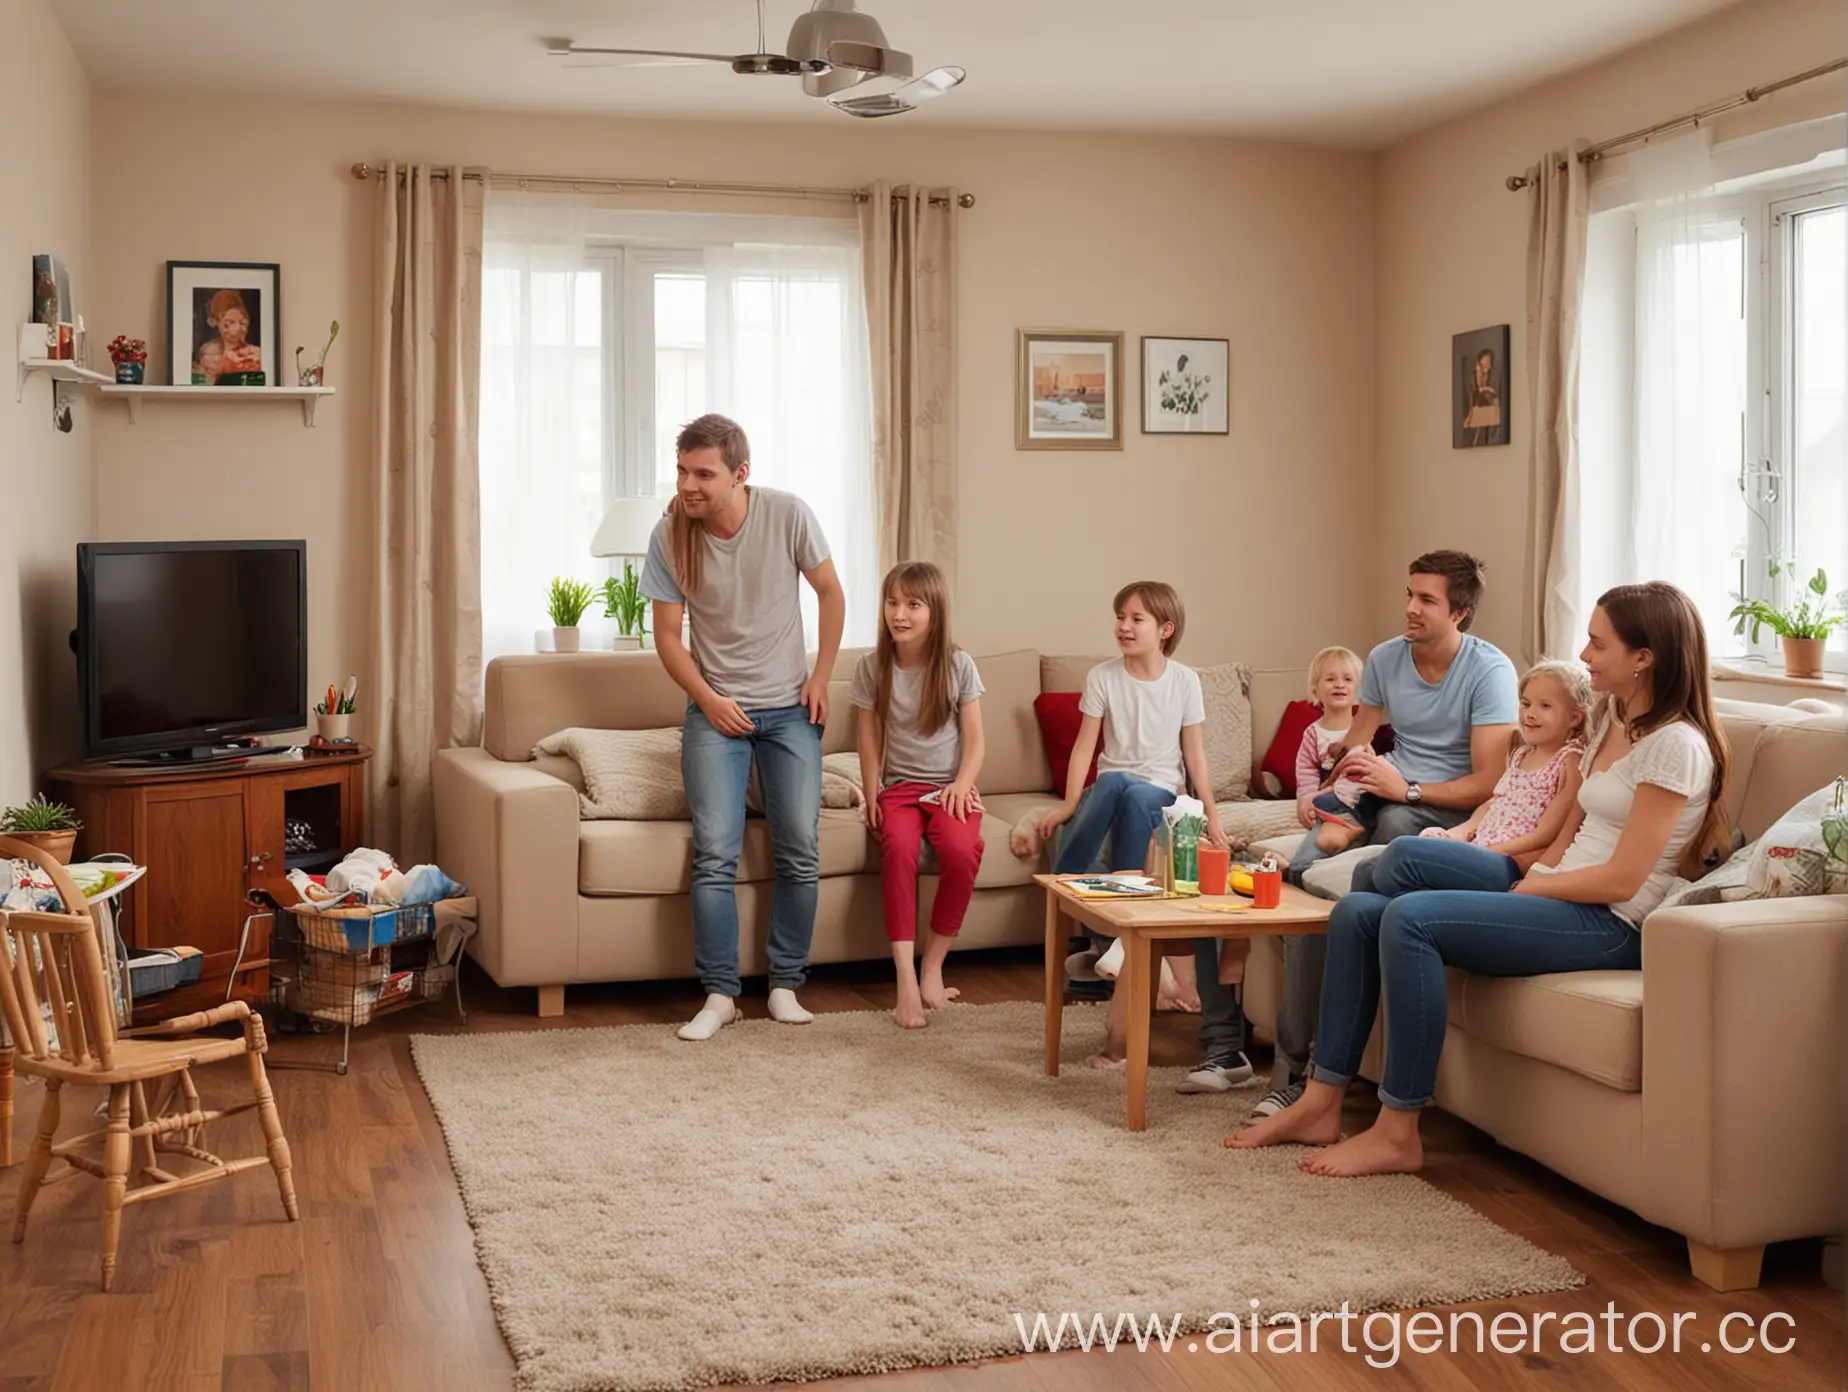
x=426 y=514
x=1556 y=232
x=908 y=242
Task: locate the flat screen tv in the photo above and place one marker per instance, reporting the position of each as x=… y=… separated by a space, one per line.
x=183 y=645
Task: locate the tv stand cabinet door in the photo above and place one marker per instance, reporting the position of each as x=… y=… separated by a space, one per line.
x=197 y=872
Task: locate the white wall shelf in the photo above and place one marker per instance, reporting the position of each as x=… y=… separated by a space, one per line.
x=61 y=371
x=134 y=396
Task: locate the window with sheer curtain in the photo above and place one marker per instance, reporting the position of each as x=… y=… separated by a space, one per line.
x=1712 y=386
x=605 y=330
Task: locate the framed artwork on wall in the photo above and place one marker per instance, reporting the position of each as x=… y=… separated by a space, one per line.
x=1069 y=391
x=1186 y=386
x=1479 y=388
x=224 y=322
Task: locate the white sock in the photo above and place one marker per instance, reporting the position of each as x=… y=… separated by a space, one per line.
x=718 y=1012
x=785 y=1009
x=1111 y=962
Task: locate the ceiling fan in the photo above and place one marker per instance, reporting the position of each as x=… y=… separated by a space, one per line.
x=832 y=47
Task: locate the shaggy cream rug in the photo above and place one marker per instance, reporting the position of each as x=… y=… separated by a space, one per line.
x=848 y=1197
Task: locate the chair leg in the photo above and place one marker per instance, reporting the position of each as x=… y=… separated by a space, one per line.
x=118 y=1152
x=38 y=1159
x=272 y=1133
x=6 y=1107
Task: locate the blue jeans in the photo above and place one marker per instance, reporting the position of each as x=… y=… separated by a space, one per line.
x=1121 y=809
x=717 y=769
x=1403 y=943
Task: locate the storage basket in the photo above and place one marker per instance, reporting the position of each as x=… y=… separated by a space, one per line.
x=359 y=929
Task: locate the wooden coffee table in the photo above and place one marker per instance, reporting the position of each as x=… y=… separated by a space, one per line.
x=1139 y=922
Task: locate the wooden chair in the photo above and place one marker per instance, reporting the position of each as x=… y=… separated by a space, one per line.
x=57 y=965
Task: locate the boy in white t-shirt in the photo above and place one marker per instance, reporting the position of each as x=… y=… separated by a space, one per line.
x=1151 y=715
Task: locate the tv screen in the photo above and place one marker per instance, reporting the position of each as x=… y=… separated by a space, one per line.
x=184 y=644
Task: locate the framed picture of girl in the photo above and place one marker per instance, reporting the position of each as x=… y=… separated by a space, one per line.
x=1479 y=388
x=224 y=323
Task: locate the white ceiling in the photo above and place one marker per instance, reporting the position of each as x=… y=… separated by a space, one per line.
x=1345 y=72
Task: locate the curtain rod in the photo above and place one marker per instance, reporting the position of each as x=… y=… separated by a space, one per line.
x=567 y=183
x=1517 y=182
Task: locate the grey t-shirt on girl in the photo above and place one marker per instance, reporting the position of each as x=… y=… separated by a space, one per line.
x=911 y=757
x=746 y=619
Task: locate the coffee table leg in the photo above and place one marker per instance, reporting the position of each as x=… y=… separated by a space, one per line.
x=1055 y=983
x=1136 y=950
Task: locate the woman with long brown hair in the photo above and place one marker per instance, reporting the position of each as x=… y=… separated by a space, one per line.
x=1651 y=804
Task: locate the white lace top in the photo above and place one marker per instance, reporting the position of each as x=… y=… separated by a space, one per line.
x=1674 y=757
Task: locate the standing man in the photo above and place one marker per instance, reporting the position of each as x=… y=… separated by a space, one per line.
x=731 y=556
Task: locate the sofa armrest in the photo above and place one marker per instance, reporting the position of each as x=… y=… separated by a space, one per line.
x=510 y=833
x=1744 y=1035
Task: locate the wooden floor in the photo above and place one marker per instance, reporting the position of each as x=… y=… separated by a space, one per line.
x=377 y=1286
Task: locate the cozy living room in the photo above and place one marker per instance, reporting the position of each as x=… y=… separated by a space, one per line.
x=924 y=695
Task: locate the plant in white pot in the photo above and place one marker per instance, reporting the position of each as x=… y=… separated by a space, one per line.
x=566 y=602
x=624 y=602
x=1804 y=626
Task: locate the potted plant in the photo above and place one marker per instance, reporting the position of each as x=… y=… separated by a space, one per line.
x=624 y=602
x=566 y=602
x=49 y=826
x=313 y=376
x=1804 y=626
x=130 y=356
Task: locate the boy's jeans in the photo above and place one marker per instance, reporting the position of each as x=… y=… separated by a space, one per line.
x=717 y=769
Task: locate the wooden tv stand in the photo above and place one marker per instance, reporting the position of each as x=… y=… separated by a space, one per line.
x=207 y=835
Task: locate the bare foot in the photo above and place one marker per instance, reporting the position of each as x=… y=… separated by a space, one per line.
x=1104 y=1062
x=1178 y=990
x=1374 y=1151
x=936 y=995
x=1315 y=1120
x=1332 y=838
x=909 y=1012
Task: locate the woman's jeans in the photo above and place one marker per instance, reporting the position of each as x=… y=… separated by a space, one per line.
x=717 y=770
x=1121 y=809
x=1442 y=903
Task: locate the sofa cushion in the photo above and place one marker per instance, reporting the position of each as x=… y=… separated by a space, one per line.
x=1015 y=761
x=633 y=775
x=1260 y=820
x=657 y=857
x=533 y=695
x=1280 y=757
x=1226 y=690
x=1589 y=1022
x=1059 y=720
x=1800 y=854
x=1000 y=866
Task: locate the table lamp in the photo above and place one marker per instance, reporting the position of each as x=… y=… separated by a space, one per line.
x=625 y=531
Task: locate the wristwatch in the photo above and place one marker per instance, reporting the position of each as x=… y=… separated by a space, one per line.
x=1413 y=794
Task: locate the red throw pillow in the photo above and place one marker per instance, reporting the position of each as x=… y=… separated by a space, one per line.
x=1280 y=758
x=1059 y=719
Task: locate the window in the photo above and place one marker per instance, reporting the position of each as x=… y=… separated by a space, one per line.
x=604 y=331
x=1715 y=359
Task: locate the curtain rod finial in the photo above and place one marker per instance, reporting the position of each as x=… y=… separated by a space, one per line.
x=966 y=200
x=362 y=170
x=1516 y=182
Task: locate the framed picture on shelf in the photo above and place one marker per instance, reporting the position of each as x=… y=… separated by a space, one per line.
x=1479 y=388
x=1186 y=386
x=1069 y=391
x=224 y=323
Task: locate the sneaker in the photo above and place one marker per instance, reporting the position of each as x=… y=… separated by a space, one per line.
x=1217 y=1075
x=1082 y=966
x=1277 y=1099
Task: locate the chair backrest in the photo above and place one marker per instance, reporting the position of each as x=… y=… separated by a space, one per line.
x=52 y=974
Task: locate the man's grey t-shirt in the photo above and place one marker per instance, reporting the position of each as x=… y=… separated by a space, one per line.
x=911 y=757
x=746 y=619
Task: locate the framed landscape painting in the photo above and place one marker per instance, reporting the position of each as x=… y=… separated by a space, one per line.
x=223 y=323
x=1479 y=388
x=1186 y=386
x=1069 y=393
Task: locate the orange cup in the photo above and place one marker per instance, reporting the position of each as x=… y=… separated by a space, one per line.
x=1214 y=862
x=1266 y=889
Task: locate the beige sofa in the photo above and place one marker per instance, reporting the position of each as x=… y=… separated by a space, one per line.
x=565 y=901
x=1717 y=1110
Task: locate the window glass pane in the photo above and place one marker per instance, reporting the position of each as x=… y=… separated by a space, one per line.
x=1819 y=377
x=680 y=365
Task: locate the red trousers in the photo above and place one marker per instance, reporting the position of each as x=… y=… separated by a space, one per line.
x=904 y=824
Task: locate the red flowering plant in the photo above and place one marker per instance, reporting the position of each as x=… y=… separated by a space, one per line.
x=127 y=350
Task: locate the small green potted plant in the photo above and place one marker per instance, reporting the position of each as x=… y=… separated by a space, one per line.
x=1804 y=626
x=566 y=602
x=624 y=602
x=48 y=826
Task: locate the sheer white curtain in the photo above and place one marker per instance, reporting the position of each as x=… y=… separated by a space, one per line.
x=544 y=437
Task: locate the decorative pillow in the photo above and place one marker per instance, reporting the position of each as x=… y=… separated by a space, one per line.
x=1806 y=852
x=632 y=775
x=840 y=780
x=1280 y=758
x=1722 y=885
x=1059 y=719
x=1227 y=692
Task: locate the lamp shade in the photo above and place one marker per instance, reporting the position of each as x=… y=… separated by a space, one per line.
x=627 y=526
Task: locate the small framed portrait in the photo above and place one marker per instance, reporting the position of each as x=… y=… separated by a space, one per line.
x=1479 y=388
x=1069 y=394
x=1186 y=386
x=224 y=322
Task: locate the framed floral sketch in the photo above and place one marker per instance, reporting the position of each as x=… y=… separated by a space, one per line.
x=1186 y=386
x=1069 y=394
x=224 y=323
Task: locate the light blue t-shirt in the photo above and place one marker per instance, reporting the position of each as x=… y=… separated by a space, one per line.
x=1432 y=724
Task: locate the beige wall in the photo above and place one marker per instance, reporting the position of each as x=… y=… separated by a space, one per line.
x=47 y=479
x=1452 y=256
x=1268 y=245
